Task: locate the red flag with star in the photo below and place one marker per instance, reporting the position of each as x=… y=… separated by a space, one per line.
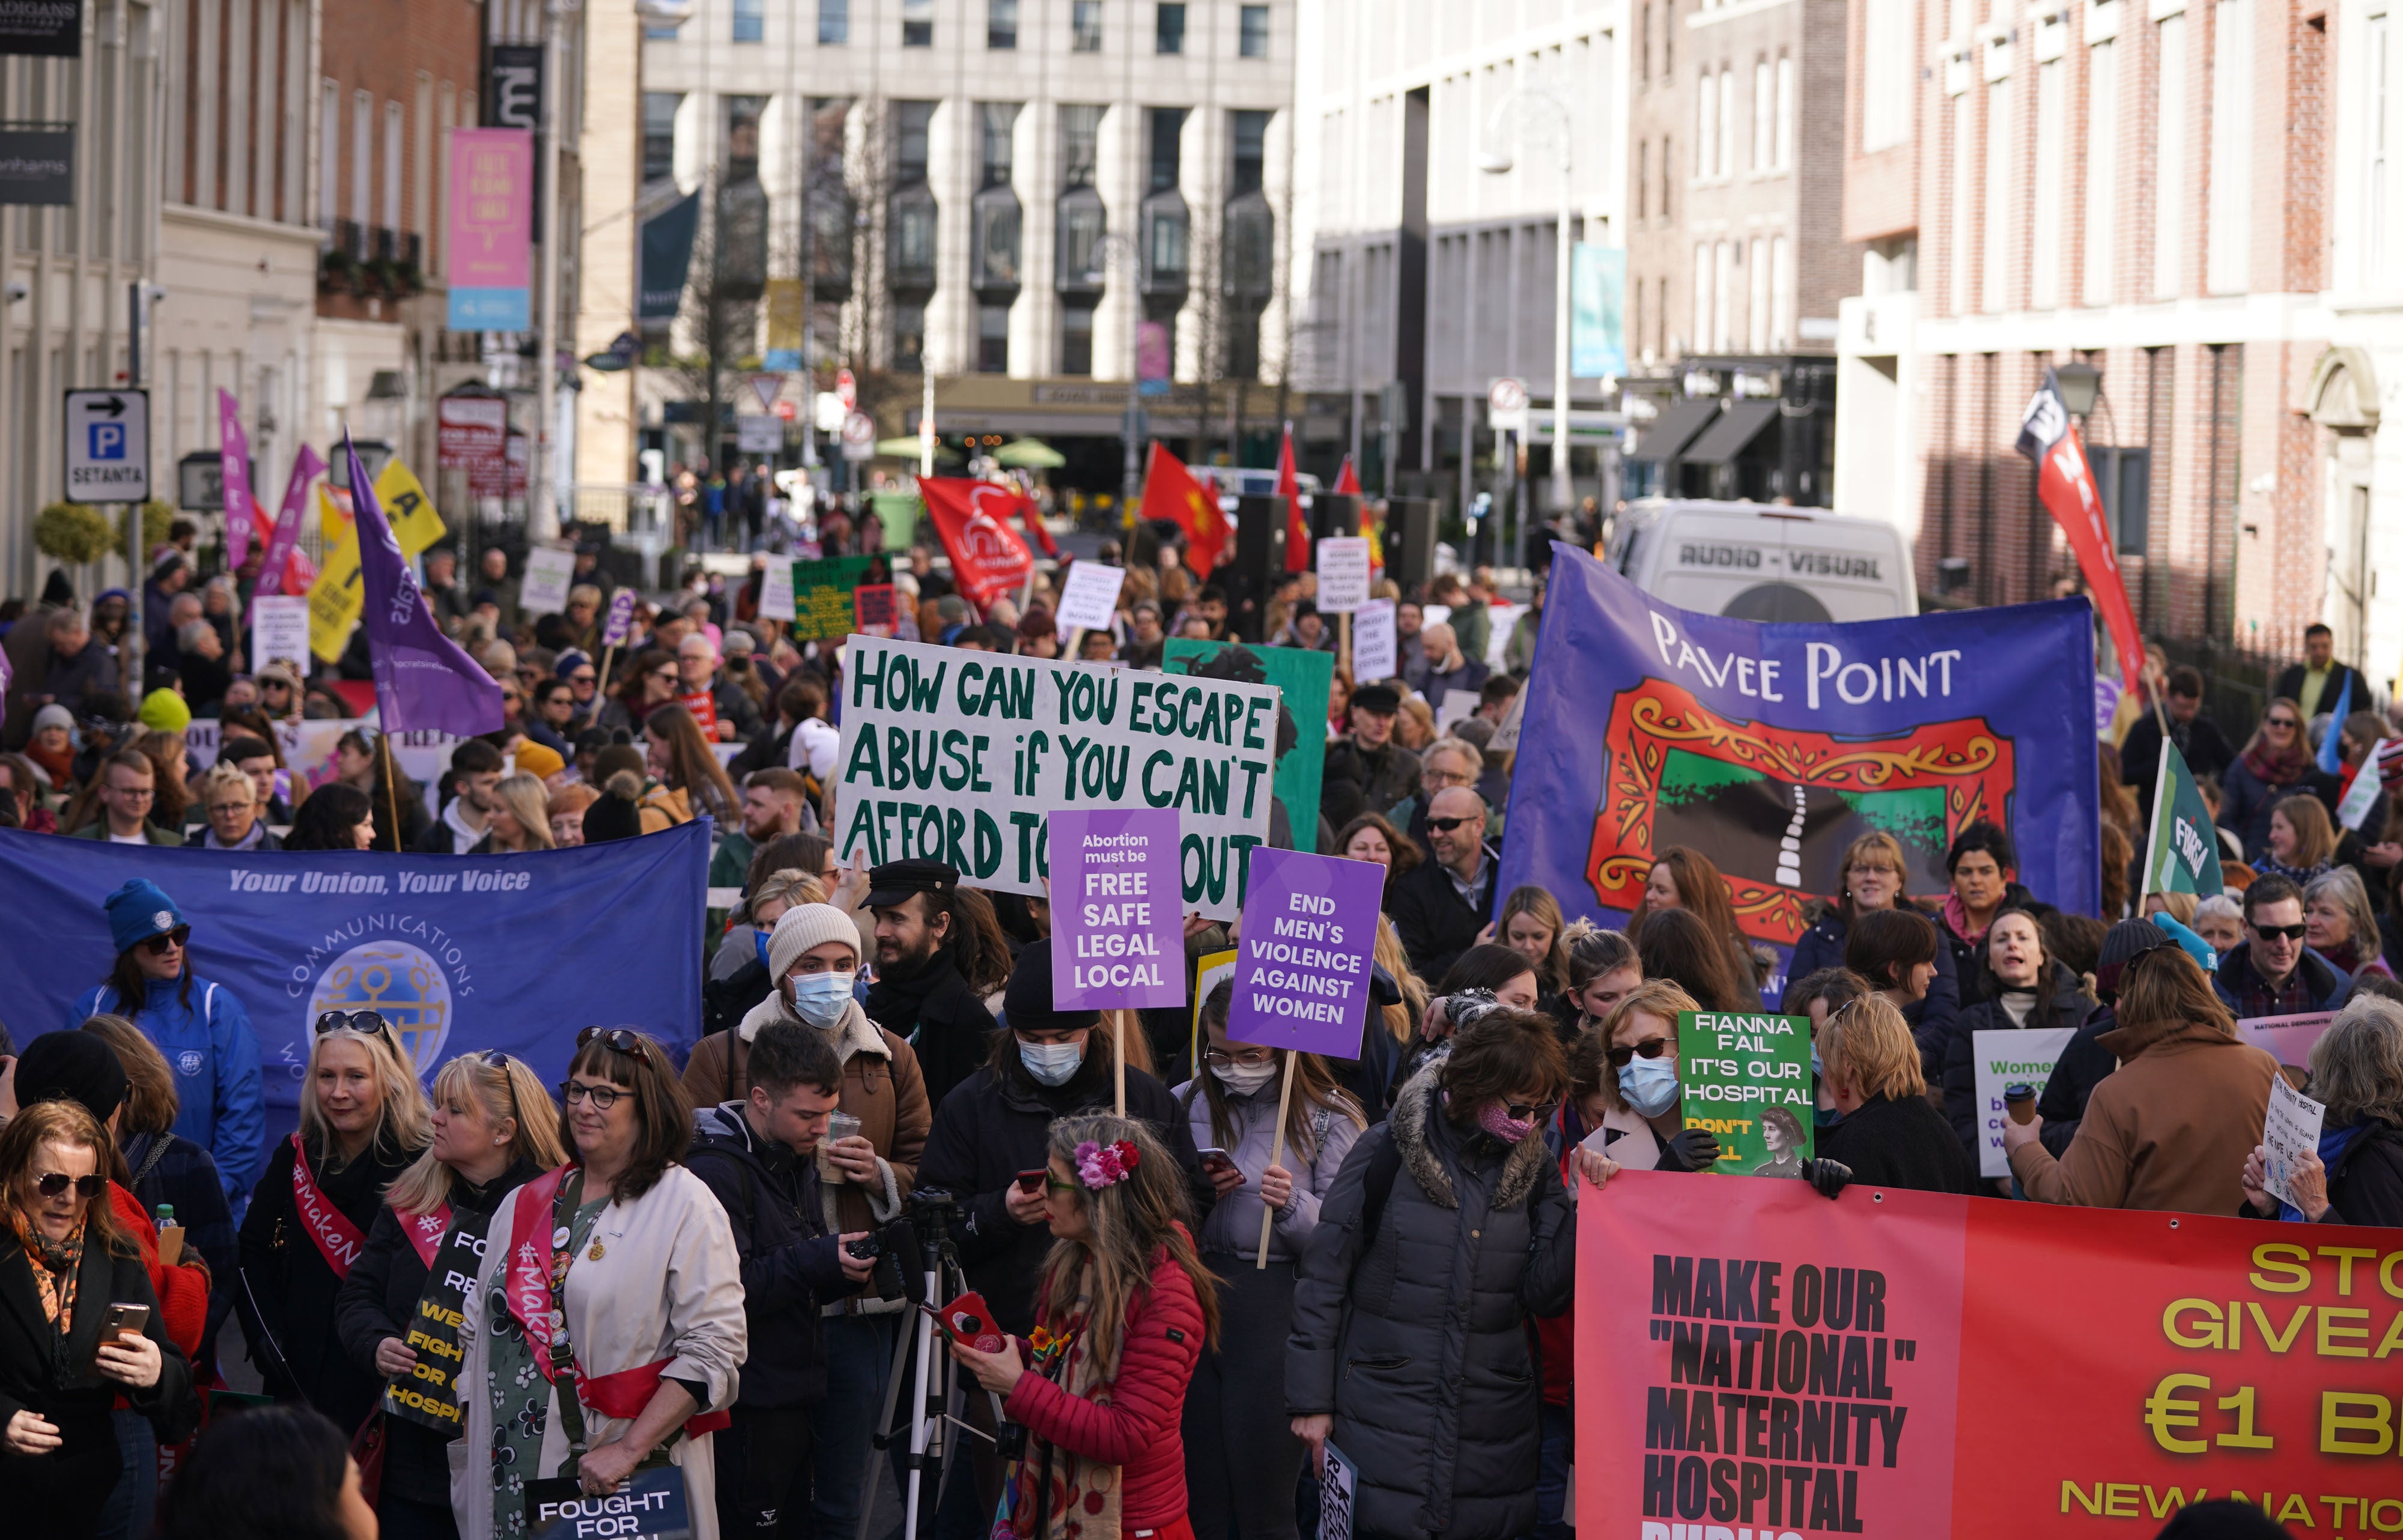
x=1170 y=491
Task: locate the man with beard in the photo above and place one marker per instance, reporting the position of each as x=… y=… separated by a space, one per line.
x=920 y=993
x=772 y=801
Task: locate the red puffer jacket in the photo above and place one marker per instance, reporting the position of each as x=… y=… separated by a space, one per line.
x=1139 y=1430
x=183 y=1290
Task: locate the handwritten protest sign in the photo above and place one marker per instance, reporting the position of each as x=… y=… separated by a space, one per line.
x=1091 y=600
x=2025 y=1056
x=1375 y=649
x=2292 y=1128
x=822 y=596
x=279 y=631
x=1342 y=573
x=776 y=591
x=1117 y=931
x=950 y=756
x=1747 y=1079
x=1302 y=972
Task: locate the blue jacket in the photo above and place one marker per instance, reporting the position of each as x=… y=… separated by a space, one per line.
x=220 y=1091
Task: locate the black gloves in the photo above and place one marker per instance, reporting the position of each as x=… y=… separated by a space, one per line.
x=1828 y=1176
x=1698 y=1148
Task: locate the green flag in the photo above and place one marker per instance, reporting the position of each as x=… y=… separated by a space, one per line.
x=2182 y=854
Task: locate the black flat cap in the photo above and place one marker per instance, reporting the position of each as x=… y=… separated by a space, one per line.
x=895 y=881
x=1383 y=698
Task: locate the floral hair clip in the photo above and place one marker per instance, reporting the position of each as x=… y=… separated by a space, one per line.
x=1100 y=1166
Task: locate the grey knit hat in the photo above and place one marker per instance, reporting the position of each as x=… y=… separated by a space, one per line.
x=804 y=926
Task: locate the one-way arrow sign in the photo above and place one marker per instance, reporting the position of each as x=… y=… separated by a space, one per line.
x=108 y=446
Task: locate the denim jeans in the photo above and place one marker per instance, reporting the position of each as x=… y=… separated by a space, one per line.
x=1552 y=1473
x=859 y=1356
x=127 y=1516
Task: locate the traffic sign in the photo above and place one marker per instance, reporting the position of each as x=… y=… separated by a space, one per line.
x=1506 y=404
x=108 y=446
x=762 y=435
x=847 y=386
x=767 y=387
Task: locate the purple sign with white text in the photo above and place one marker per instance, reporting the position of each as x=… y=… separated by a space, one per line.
x=1118 y=928
x=1301 y=976
x=622 y=618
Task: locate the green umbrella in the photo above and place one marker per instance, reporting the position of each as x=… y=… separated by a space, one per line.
x=906 y=448
x=1029 y=454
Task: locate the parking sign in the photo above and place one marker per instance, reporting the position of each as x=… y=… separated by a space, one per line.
x=108 y=446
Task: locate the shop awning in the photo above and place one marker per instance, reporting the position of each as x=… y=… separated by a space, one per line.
x=1666 y=435
x=1736 y=427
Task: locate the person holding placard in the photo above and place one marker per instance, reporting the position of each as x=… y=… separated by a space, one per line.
x=2356 y=1177
x=1240 y=1460
x=1643 y=1122
x=1890 y=1136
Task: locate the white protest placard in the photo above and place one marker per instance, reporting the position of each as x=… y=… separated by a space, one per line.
x=776 y=591
x=1458 y=706
x=1342 y=573
x=2002 y=1060
x=1338 y=1489
x=549 y=573
x=1376 y=650
x=2292 y=1127
x=1091 y=600
x=279 y=631
x=956 y=757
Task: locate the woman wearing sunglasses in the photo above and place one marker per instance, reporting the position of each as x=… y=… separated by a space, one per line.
x=1411 y=1352
x=363 y=1120
x=1636 y=1101
x=495 y=1130
x=221 y=1096
x=633 y=1253
x=65 y=1262
x=2277 y=762
x=652 y=682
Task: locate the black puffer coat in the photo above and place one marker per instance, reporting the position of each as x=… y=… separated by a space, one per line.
x=2069 y=1006
x=1415 y=1338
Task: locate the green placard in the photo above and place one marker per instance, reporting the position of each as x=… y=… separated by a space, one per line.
x=822 y=601
x=1304 y=679
x=1747 y=1079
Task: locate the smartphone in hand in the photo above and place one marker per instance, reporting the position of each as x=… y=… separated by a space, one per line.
x=1214 y=1161
x=1030 y=1180
x=121 y=1321
x=968 y=1319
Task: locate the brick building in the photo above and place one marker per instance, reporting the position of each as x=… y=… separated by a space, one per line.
x=1735 y=255
x=2143 y=189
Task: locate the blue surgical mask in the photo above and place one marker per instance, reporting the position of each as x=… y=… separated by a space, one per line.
x=820 y=998
x=1050 y=1063
x=1649 y=1085
x=760 y=944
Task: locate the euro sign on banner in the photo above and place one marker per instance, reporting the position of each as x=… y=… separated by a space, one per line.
x=435 y=943
x=1902 y=1364
x=336 y=599
x=988 y=558
x=1770 y=748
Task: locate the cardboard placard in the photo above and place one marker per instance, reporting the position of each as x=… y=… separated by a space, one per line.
x=1302 y=971
x=1458 y=706
x=1342 y=573
x=549 y=573
x=2022 y=1057
x=2292 y=1127
x=822 y=607
x=1376 y=649
x=1746 y=1077
x=1117 y=930
x=2287 y=1039
x=872 y=608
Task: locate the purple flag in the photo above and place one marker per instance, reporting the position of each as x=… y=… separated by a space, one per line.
x=288 y=521
x=424 y=682
x=233 y=466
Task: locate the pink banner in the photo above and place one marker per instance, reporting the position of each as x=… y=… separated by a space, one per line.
x=233 y=466
x=282 y=545
x=491 y=228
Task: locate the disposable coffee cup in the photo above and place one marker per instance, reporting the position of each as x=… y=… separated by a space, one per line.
x=2020 y=1102
x=841 y=1125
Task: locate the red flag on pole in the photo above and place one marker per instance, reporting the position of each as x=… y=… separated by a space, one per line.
x=1297 y=528
x=988 y=558
x=1170 y=491
x=1030 y=513
x=1347 y=480
x=2065 y=485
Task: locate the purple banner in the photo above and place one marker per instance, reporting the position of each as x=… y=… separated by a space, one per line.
x=233 y=467
x=424 y=682
x=305 y=468
x=622 y=618
x=1301 y=977
x=1117 y=930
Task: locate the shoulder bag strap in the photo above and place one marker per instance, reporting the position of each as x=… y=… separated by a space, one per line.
x=563 y=1356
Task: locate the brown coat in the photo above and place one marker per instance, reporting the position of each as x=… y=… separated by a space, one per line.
x=881 y=1087
x=2169 y=1130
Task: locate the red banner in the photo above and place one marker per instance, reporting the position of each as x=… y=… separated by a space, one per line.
x=1900 y=1364
x=988 y=558
x=2064 y=484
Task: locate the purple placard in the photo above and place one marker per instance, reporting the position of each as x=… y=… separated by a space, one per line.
x=1117 y=926
x=1301 y=977
x=622 y=618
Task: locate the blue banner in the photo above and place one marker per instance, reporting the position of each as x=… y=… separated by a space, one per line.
x=1770 y=748
x=1597 y=310
x=458 y=952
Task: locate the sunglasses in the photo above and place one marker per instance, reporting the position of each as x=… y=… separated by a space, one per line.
x=2267 y=933
x=1053 y=1183
x=618 y=1038
x=2282 y=722
x=496 y=1058
x=157 y=946
x=1653 y=1049
x=583 y=678
x=1445 y=826
x=367 y=1023
x=1538 y=1111
x=273 y=685
x=55 y=1183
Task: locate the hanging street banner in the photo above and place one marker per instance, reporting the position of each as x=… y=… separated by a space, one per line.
x=1747 y=1079
x=1118 y=915
x=1597 y=310
x=952 y=756
x=233 y=458
x=1773 y=1361
x=435 y=943
x=1302 y=971
x=1773 y=747
x=1303 y=677
x=491 y=233
x=667 y=258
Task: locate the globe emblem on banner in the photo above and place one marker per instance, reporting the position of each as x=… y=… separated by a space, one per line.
x=400 y=983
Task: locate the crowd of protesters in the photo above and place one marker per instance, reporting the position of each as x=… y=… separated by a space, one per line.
x=698 y=1240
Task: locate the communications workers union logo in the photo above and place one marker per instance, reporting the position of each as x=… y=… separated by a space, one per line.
x=399 y=982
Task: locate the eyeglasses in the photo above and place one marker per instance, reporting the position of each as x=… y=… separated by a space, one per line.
x=1445 y=826
x=2269 y=933
x=601 y=1097
x=157 y=946
x=1220 y=1056
x=217 y=808
x=55 y=1183
x=619 y=1038
x=583 y=679
x=1653 y=1049
x=668 y=673
x=1537 y=1111
x=2281 y=722
x=1053 y=1183
x=135 y=794
x=273 y=685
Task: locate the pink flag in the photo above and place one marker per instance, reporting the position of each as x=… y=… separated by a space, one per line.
x=233 y=463
x=287 y=538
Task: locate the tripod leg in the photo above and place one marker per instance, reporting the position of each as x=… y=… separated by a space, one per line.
x=883 y=1438
x=921 y=1428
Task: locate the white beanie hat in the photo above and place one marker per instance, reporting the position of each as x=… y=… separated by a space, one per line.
x=804 y=926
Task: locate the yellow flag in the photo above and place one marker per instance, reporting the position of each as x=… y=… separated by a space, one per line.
x=336 y=598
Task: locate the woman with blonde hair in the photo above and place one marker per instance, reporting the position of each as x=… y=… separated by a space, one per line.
x=1871 y=876
x=494 y=1130
x=1123 y=1312
x=1530 y=925
x=520 y=817
x=1890 y=1136
x=2340 y=925
x=363 y=1120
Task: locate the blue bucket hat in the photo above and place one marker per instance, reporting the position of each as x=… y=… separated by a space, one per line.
x=139 y=910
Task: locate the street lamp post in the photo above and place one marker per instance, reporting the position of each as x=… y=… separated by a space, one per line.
x=1111 y=246
x=1498 y=162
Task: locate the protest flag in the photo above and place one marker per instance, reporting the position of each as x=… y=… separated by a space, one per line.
x=233 y=472
x=2331 y=758
x=2065 y=485
x=987 y=559
x=1030 y=513
x=1347 y=480
x=284 y=543
x=423 y=680
x=1297 y=528
x=2181 y=852
x=1170 y=491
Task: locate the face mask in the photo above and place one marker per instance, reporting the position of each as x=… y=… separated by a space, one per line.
x=1496 y=1120
x=1649 y=1085
x=819 y=998
x=1244 y=1079
x=1050 y=1063
x=760 y=944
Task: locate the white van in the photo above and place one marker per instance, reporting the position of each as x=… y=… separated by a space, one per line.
x=1764 y=561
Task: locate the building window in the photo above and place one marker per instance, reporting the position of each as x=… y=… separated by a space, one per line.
x=1001 y=24
x=1667 y=170
x=1082 y=219
x=2044 y=225
x=1085 y=26
x=1785 y=112
x=2001 y=154
x=2373 y=205
x=2169 y=158
x=1706 y=118
x=911 y=124
x=908 y=336
x=2100 y=203
x=911 y=254
x=1168 y=29
x=1888 y=89
x=741 y=246
x=993 y=339
x=658 y=134
x=1252 y=36
x=1076 y=336
x=834 y=23
x=1755 y=319
x=1727 y=121
x=1701 y=295
x=997 y=212
x=1250 y=134
x=1781 y=294
x=750 y=21
x=1764 y=117
x=1080 y=141
x=2229 y=260
x=917 y=24
x=1167 y=148
x=832 y=223
x=1643 y=45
